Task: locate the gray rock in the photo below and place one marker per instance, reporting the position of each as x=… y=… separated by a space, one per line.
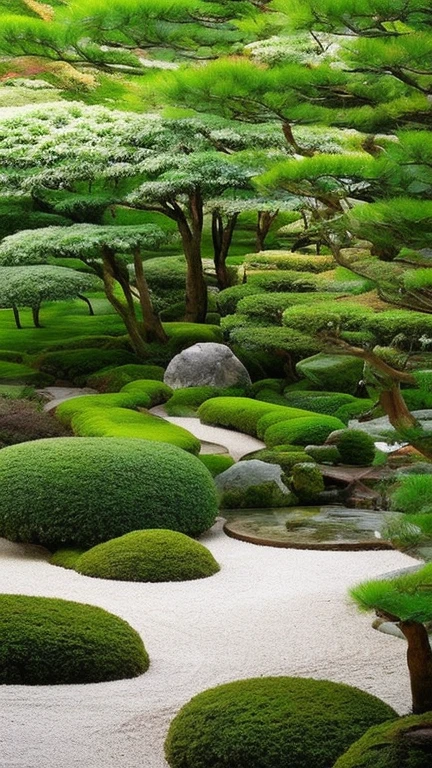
x=206 y=364
x=246 y=474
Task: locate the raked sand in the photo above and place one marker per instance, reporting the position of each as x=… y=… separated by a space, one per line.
x=268 y=612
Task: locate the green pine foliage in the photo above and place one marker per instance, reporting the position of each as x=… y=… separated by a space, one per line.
x=47 y=641
x=70 y=492
x=406 y=597
x=272 y=722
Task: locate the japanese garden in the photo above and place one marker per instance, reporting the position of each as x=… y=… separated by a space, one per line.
x=216 y=383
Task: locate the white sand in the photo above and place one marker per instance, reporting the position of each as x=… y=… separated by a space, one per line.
x=268 y=612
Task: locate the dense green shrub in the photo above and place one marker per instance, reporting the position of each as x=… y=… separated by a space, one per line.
x=389 y=745
x=186 y=401
x=285 y=459
x=73 y=364
x=276 y=385
x=303 y=431
x=183 y=335
x=228 y=299
x=412 y=325
x=121 y=422
x=354 y=409
x=66 y=491
x=287 y=260
x=307 y=481
x=20 y=373
x=328 y=315
x=240 y=413
x=152 y=555
x=66 y=411
x=23 y=420
x=156 y=391
x=216 y=463
x=283 y=280
x=356 y=448
x=332 y=373
x=260 y=496
x=270 y=396
x=417 y=399
x=274 y=417
x=413 y=494
x=323 y=454
x=46 y=641
x=271 y=306
x=319 y=402
x=113 y=379
x=271 y=722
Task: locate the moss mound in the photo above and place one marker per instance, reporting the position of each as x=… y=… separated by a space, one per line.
x=79 y=492
x=154 y=555
x=216 y=463
x=45 y=641
x=302 y=431
x=113 y=379
x=272 y=722
x=406 y=743
x=356 y=448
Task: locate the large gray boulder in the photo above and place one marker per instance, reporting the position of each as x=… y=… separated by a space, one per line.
x=246 y=474
x=206 y=364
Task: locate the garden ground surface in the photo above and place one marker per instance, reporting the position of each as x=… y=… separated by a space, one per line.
x=268 y=612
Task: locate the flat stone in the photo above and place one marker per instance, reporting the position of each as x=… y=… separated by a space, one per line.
x=206 y=364
x=246 y=474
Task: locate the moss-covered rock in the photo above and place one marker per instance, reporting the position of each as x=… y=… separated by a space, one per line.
x=334 y=373
x=356 y=447
x=272 y=722
x=46 y=641
x=307 y=481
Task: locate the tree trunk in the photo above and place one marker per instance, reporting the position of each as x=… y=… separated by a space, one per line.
x=17 y=317
x=88 y=302
x=196 y=288
x=265 y=220
x=222 y=238
x=396 y=409
x=152 y=323
x=35 y=314
x=289 y=136
x=419 y=658
x=125 y=311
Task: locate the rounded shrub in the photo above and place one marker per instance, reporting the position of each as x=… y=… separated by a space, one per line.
x=120 y=422
x=67 y=410
x=323 y=454
x=113 y=379
x=241 y=413
x=356 y=447
x=157 y=391
x=355 y=409
x=275 y=417
x=319 y=402
x=302 y=431
x=404 y=743
x=271 y=722
x=46 y=641
x=186 y=400
x=228 y=299
x=153 y=555
x=216 y=463
x=79 y=492
x=73 y=364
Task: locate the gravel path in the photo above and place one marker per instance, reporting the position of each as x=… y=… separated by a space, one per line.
x=268 y=612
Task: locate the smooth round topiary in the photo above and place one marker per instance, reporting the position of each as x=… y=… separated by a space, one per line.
x=356 y=448
x=154 y=555
x=82 y=491
x=46 y=641
x=405 y=743
x=271 y=722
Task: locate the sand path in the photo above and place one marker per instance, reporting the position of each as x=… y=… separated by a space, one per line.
x=268 y=612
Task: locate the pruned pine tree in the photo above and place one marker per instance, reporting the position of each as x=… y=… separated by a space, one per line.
x=103 y=248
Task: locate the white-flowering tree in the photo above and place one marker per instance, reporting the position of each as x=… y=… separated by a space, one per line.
x=103 y=248
x=29 y=286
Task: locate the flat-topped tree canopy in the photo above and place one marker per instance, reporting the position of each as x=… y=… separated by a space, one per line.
x=405 y=598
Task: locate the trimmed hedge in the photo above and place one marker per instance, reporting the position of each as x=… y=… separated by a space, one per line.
x=279 y=280
x=186 y=400
x=313 y=318
x=78 y=492
x=119 y=422
x=46 y=641
x=389 y=745
x=242 y=413
x=269 y=307
x=216 y=463
x=332 y=373
x=157 y=391
x=74 y=364
x=275 y=417
x=355 y=409
x=271 y=722
x=153 y=555
x=299 y=262
x=356 y=448
x=67 y=410
x=319 y=402
x=303 y=431
x=113 y=379
x=228 y=299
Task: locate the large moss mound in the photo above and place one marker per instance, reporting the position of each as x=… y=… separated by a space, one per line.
x=155 y=555
x=82 y=491
x=406 y=743
x=273 y=722
x=45 y=641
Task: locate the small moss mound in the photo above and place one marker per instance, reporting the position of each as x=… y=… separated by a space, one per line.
x=272 y=722
x=45 y=641
x=216 y=463
x=113 y=379
x=302 y=431
x=356 y=448
x=406 y=743
x=79 y=492
x=307 y=481
x=154 y=555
